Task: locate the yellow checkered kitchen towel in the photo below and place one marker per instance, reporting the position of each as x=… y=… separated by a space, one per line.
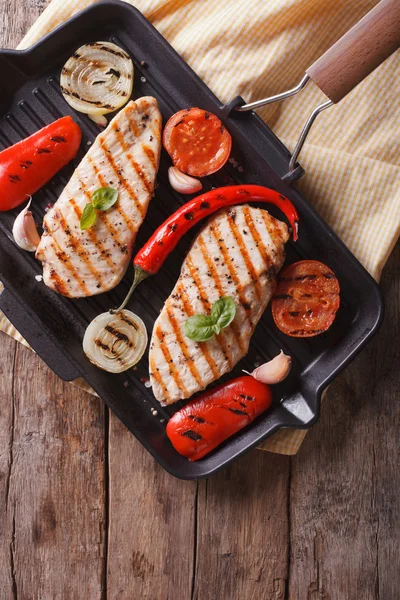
x=256 y=48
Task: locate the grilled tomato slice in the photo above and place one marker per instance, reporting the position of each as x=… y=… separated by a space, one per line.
x=197 y=142
x=306 y=299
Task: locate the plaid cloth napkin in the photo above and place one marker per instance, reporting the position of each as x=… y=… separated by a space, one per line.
x=257 y=49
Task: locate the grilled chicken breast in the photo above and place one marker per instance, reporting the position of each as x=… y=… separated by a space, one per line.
x=238 y=253
x=125 y=156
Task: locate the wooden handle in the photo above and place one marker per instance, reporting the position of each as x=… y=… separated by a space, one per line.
x=359 y=51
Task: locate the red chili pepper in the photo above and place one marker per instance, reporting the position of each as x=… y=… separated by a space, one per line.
x=154 y=253
x=28 y=165
x=211 y=418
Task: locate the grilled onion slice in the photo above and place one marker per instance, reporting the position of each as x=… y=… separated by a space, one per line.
x=97 y=79
x=115 y=342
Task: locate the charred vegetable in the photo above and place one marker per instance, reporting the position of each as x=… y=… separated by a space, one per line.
x=97 y=79
x=29 y=164
x=216 y=415
x=117 y=342
x=197 y=142
x=306 y=299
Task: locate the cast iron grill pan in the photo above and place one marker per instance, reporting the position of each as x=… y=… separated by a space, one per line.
x=54 y=326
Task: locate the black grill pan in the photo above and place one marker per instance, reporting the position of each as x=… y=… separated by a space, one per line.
x=54 y=326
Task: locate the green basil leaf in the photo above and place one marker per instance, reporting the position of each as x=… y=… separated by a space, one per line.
x=199 y=328
x=104 y=198
x=88 y=217
x=223 y=312
x=217 y=328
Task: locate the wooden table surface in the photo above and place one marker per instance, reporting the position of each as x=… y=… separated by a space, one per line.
x=86 y=514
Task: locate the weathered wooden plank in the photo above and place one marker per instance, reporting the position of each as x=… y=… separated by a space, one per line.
x=151 y=525
x=56 y=486
x=51 y=457
x=384 y=380
x=242 y=539
x=7 y=356
x=16 y=18
x=345 y=504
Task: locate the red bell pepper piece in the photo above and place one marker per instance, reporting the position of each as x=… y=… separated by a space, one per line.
x=217 y=414
x=26 y=166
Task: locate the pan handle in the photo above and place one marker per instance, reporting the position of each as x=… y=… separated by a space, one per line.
x=355 y=55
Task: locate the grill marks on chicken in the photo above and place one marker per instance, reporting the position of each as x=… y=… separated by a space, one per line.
x=125 y=156
x=238 y=253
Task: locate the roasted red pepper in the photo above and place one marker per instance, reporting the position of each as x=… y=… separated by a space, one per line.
x=29 y=164
x=154 y=253
x=214 y=416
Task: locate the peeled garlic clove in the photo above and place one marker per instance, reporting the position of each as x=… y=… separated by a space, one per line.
x=24 y=230
x=274 y=371
x=182 y=183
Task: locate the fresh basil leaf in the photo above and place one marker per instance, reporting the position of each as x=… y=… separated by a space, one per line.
x=104 y=198
x=88 y=217
x=223 y=312
x=217 y=328
x=199 y=328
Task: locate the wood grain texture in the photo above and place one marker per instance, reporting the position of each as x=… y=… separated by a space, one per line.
x=384 y=397
x=345 y=506
x=151 y=524
x=243 y=531
x=56 y=486
x=175 y=539
x=16 y=18
x=355 y=55
x=7 y=357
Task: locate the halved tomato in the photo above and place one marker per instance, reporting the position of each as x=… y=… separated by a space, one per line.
x=306 y=300
x=197 y=142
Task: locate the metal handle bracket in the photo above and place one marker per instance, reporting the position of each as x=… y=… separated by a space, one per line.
x=293 y=165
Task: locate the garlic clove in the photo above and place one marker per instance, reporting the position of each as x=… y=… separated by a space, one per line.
x=182 y=183
x=24 y=230
x=275 y=370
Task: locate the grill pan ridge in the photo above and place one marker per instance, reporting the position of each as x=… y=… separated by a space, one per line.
x=54 y=326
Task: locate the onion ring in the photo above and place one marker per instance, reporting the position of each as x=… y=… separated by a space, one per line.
x=115 y=342
x=97 y=79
